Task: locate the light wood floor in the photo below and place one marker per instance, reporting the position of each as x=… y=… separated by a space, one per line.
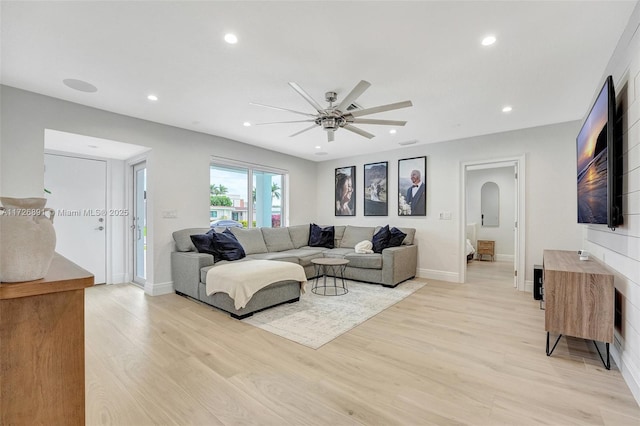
x=449 y=354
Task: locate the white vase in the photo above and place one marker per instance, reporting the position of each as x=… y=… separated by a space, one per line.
x=27 y=239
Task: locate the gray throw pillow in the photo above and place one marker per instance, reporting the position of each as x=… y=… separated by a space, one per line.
x=299 y=235
x=277 y=239
x=354 y=234
x=251 y=240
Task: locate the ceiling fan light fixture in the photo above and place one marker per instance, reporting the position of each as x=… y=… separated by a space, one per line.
x=329 y=123
x=342 y=115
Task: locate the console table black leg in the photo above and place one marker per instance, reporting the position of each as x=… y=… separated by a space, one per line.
x=554 y=345
x=606 y=364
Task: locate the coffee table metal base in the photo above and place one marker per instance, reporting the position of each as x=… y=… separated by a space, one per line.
x=339 y=287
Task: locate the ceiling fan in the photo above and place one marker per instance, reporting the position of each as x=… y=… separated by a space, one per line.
x=339 y=116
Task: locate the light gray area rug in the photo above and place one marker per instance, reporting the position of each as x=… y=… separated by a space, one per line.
x=316 y=320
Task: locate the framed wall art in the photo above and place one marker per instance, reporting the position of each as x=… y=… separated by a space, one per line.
x=345 y=204
x=412 y=186
x=375 y=189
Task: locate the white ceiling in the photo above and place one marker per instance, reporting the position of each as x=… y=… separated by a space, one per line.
x=548 y=63
x=55 y=140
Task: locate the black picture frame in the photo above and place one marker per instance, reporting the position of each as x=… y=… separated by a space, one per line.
x=376 y=195
x=345 y=191
x=410 y=204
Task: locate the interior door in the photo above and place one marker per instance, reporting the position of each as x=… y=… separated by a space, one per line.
x=78 y=194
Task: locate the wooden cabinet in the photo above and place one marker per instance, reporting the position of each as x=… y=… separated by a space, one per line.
x=42 y=347
x=579 y=297
x=486 y=248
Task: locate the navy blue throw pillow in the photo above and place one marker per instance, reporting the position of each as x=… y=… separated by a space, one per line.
x=202 y=242
x=227 y=246
x=321 y=237
x=221 y=245
x=380 y=241
x=397 y=237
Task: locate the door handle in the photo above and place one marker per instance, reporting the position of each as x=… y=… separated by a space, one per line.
x=100 y=228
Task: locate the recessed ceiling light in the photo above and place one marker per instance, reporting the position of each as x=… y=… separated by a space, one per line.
x=230 y=38
x=80 y=85
x=246 y=124
x=507 y=109
x=318 y=147
x=411 y=142
x=488 y=40
x=152 y=97
x=392 y=131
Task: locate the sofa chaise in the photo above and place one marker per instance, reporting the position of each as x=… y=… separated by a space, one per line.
x=290 y=244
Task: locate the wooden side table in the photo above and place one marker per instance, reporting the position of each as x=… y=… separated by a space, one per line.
x=486 y=248
x=42 y=347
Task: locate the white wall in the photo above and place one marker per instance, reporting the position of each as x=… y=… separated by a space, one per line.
x=550 y=193
x=503 y=234
x=177 y=165
x=621 y=249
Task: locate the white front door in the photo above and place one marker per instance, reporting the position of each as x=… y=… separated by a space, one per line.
x=78 y=194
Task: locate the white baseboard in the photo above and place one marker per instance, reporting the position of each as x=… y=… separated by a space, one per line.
x=158 y=289
x=453 y=277
x=627 y=367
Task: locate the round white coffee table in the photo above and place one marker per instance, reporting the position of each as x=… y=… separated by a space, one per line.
x=337 y=267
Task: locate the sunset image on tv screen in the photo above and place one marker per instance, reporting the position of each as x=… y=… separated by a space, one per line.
x=592 y=163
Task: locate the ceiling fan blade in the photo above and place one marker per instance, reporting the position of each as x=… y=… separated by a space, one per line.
x=282 y=109
x=330 y=135
x=381 y=108
x=353 y=95
x=302 y=131
x=358 y=131
x=284 y=122
x=375 y=121
x=306 y=96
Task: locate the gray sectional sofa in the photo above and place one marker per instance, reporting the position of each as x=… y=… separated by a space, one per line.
x=389 y=268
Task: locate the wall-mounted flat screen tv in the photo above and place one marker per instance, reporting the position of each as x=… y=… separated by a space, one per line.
x=598 y=160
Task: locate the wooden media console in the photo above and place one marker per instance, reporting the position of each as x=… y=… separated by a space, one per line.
x=579 y=299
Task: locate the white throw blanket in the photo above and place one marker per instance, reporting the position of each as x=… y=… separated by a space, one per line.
x=241 y=280
x=364 y=247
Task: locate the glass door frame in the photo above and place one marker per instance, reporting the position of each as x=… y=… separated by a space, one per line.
x=139 y=224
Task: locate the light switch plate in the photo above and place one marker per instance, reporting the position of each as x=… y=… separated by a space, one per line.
x=169 y=214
